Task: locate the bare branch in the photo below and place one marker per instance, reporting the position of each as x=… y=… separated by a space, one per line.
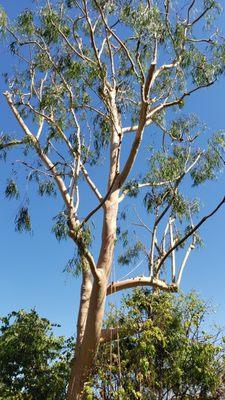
x=142 y=122
x=91 y=108
x=173 y=265
x=189 y=10
x=40 y=129
x=123 y=46
x=92 y=36
x=164 y=239
x=180 y=274
x=176 y=101
x=101 y=204
x=52 y=121
x=140 y=281
x=79 y=53
x=43 y=156
x=152 y=250
x=91 y=183
x=201 y=15
x=74 y=153
x=46 y=173
x=10 y=144
x=191 y=231
x=165 y=105
x=75 y=234
x=111 y=59
x=163 y=183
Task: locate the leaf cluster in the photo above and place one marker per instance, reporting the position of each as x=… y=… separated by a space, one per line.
x=163 y=350
x=33 y=360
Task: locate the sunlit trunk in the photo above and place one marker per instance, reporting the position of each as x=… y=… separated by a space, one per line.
x=87 y=345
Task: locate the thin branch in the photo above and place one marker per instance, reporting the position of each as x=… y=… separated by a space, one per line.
x=51 y=121
x=43 y=156
x=173 y=265
x=91 y=29
x=91 y=183
x=10 y=144
x=164 y=105
x=163 y=183
x=71 y=149
x=193 y=230
x=101 y=204
x=176 y=101
x=102 y=47
x=75 y=234
x=142 y=122
x=190 y=248
x=201 y=15
x=91 y=108
x=152 y=251
x=79 y=54
x=141 y=221
x=34 y=169
x=189 y=10
x=123 y=46
x=164 y=239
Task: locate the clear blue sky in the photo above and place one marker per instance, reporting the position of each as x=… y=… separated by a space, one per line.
x=32 y=265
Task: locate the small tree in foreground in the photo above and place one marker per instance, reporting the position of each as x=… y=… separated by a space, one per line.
x=34 y=363
x=105 y=83
x=160 y=350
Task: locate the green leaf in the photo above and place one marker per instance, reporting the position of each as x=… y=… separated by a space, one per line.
x=22 y=220
x=11 y=190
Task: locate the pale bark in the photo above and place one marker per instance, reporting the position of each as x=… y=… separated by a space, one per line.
x=85 y=296
x=91 y=333
x=140 y=281
x=86 y=353
x=95 y=286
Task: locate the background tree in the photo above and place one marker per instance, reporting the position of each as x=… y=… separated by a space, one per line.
x=34 y=362
x=92 y=78
x=160 y=350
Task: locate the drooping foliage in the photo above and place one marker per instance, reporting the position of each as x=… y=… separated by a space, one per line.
x=99 y=92
x=69 y=53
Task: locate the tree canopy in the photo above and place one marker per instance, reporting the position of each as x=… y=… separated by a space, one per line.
x=34 y=362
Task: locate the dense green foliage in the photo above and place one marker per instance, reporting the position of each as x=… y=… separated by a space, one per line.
x=34 y=362
x=162 y=351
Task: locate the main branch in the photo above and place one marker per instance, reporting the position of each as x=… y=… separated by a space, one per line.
x=140 y=281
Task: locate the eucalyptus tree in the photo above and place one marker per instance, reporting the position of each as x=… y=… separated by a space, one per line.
x=105 y=83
